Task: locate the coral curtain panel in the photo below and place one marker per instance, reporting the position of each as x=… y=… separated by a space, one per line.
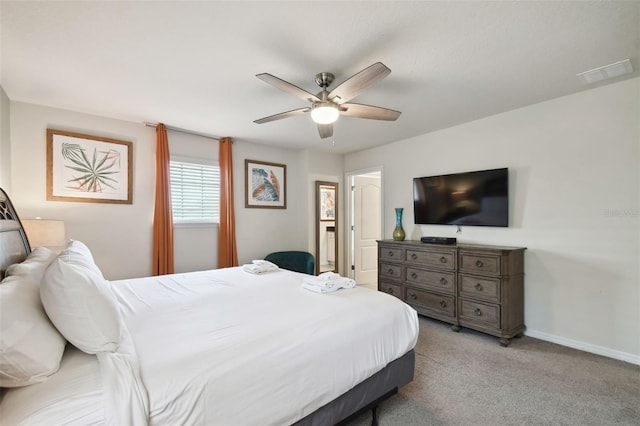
x=162 y=218
x=227 y=251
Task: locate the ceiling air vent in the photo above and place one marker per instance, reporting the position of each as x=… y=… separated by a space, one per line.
x=605 y=72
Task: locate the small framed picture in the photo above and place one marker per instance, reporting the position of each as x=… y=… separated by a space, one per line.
x=90 y=169
x=327 y=202
x=265 y=185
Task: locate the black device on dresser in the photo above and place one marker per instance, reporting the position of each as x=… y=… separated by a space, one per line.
x=438 y=240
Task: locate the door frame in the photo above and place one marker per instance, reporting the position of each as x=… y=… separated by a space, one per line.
x=349 y=255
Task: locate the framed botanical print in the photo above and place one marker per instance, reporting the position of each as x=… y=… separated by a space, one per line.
x=265 y=185
x=90 y=169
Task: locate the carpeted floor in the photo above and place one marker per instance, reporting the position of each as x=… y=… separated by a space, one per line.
x=467 y=378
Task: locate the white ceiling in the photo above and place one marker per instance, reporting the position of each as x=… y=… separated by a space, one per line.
x=192 y=65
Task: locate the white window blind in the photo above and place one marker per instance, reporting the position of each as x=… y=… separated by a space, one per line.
x=195 y=192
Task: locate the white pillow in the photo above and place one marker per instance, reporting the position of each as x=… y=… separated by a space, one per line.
x=34 y=265
x=80 y=302
x=30 y=346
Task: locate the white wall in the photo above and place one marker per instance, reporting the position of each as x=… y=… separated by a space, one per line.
x=5 y=145
x=327 y=167
x=574 y=203
x=261 y=231
x=120 y=236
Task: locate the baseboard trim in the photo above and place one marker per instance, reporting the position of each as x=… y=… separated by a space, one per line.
x=594 y=349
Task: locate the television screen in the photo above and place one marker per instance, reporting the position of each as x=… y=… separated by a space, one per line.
x=474 y=198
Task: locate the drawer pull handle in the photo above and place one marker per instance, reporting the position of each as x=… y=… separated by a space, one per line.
x=443 y=259
x=390 y=254
x=443 y=281
x=414 y=256
x=390 y=271
x=414 y=275
x=390 y=290
x=479 y=263
x=413 y=296
x=478 y=287
x=478 y=312
x=443 y=304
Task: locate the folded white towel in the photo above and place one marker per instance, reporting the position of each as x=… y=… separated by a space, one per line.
x=264 y=263
x=327 y=276
x=339 y=282
x=260 y=266
x=320 y=285
x=317 y=289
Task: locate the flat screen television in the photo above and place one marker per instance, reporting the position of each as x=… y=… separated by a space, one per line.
x=479 y=198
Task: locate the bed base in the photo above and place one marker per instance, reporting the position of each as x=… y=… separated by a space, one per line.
x=373 y=407
x=364 y=396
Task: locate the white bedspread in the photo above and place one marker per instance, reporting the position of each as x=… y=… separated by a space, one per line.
x=226 y=347
x=72 y=396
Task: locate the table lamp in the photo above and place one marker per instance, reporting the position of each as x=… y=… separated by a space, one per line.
x=45 y=232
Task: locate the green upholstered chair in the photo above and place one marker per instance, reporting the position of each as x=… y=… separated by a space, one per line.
x=299 y=261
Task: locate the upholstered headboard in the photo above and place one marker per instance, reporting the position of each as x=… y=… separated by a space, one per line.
x=14 y=246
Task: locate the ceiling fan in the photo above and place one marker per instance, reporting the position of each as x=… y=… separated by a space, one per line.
x=327 y=106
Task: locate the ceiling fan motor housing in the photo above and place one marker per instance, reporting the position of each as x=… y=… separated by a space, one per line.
x=324 y=79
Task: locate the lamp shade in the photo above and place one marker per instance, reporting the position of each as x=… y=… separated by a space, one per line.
x=45 y=232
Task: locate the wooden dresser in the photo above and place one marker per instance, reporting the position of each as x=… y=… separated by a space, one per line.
x=475 y=286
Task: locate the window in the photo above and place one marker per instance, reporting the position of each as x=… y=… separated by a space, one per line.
x=195 y=192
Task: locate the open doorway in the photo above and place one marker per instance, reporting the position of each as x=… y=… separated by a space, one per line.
x=365 y=225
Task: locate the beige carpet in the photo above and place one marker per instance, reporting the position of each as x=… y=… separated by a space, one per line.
x=467 y=378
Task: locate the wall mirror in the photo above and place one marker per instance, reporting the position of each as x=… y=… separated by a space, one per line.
x=326 y=227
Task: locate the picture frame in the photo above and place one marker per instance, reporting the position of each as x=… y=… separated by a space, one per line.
x=327 y=202
x=265 y=185
x=89 y=169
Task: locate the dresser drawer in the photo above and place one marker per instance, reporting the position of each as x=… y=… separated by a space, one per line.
x=437 y=280
x=392 y=289
x=479 y=287
x=480 y=264
x=442 y=304
x=390 y=270
x=393 y=254
x=480 y=313
x=436 y=259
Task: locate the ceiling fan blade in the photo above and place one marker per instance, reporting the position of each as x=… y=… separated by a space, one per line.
x=369 y=111
x=282 y=115
x=360 y=82
x=325 y=130
x=287 y=87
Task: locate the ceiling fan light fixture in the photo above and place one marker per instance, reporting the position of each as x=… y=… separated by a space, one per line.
x=327 y=106
x=324 y=114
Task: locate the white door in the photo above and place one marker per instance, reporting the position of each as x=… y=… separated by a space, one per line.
x=367 y=229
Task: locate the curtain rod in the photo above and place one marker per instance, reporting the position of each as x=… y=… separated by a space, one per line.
x=178 y=129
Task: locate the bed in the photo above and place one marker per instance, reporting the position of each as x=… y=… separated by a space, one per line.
x=219 y=347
